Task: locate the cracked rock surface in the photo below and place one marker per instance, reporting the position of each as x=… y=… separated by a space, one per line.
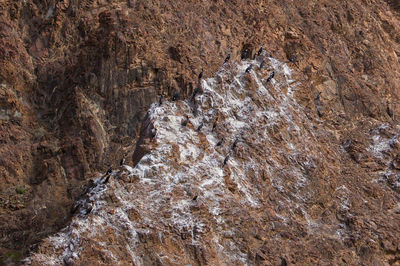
x=313 y=177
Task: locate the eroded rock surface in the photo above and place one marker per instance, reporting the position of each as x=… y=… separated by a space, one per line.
x=78 y=76
x=289 y=191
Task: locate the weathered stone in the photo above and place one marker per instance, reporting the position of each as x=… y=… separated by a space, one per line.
x=77 y=78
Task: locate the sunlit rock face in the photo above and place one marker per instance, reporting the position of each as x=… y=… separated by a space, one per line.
x=251 y=177
x=77 y=78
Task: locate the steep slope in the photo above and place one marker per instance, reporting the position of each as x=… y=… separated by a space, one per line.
x=78 y=76
x=279 y=198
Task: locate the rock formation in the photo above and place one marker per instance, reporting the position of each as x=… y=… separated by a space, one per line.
x=288 y=192
x=77 y=78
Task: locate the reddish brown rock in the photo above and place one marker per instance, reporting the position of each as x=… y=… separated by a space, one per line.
x=77 y=77
x=147 y=133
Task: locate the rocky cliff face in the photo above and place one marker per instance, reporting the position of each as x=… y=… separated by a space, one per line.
x=254 y=185
x=78 y=76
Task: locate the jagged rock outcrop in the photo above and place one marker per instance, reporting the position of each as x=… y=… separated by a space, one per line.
x=77 y=78
x=281 y=188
